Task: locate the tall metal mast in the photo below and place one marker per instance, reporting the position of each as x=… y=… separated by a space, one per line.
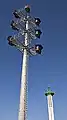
x=26 y=26
x=49 y=95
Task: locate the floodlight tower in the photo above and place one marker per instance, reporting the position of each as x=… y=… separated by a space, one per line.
x=49 y=95
x=26 y=26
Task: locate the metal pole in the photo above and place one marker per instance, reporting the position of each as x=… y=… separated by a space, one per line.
x=50 y=107
x=49 y=95
x=23 y=92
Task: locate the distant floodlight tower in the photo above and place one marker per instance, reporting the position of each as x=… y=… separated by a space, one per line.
x=49 y=95
x=28 y=27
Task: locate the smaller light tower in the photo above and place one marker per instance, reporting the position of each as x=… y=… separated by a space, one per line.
x=49 y=95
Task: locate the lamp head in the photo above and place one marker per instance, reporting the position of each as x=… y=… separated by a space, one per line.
x=37 y=21
x=13 y=25
x=27 y=8
x=10 y=40
x=38 y=48
x=38 y=33
x=16 y=14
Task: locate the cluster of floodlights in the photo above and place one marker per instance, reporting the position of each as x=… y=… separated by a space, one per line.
x=22 y=16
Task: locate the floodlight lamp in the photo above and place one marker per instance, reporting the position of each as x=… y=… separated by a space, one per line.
x=9 y=38
x=38 y=33
x=27 y=8
x=16 y=14
x=13 y=25
x=10 y=43
x=38 y=48
x=37 y=21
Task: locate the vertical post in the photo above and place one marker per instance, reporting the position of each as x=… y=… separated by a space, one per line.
x=49 y=95
x=23 y=90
